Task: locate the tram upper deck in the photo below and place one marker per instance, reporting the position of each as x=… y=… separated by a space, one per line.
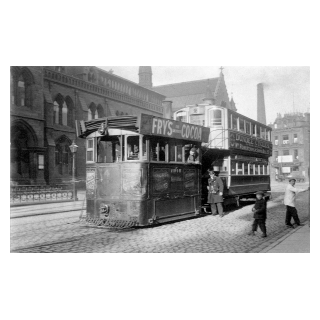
x=238 y=147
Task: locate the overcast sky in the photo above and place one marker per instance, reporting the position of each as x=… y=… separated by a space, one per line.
x=283 y=85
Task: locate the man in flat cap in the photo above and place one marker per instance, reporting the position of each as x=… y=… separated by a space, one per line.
x=260 y=215
x=215 y=193
x=290 y=203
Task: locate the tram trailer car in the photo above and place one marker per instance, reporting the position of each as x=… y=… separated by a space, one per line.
x=138 y=170
x=238 y=147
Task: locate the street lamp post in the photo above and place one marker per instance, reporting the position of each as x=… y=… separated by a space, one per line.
x=73 y=149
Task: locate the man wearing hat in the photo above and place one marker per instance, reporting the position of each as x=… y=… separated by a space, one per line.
x=290 y=203
x=215 y=193
x=260 y=215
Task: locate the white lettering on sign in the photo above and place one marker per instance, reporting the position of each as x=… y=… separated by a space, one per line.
x=165 y=127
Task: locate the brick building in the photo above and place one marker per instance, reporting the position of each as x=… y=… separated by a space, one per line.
x=291 y=145
x=46 y=101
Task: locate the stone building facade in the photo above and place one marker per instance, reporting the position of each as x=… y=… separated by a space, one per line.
x=46 y=101
x=291 y=145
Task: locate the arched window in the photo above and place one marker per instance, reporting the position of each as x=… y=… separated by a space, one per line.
x=64 y=114
x=92 y=112
x=70 y=117
x=22 y=81
x=100 y=111
x=56 y=112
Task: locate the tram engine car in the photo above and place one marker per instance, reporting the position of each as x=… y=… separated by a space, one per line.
x=139 y=170
x=238 y=147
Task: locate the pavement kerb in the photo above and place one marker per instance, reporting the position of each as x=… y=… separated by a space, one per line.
x=277 y=242
x=44 y=213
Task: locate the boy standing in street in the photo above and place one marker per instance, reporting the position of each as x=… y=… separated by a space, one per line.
x=260 y=215
x=290 y=203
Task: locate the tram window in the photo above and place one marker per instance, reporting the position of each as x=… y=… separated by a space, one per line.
x=157 y=150
x=268 y=169
x=181 y=116
x=251 y=169
x=253 y=129
x=108 y=151
x=215 y=117
x=230 y=121
x=90 y=150
x=248 y=125
x=268 y=135
x=263 y=133
x=144 y=148
x=240 y=168
x=258 y=131
x=233 y=167
x=179 y=153
x=246 y=168
x=241 y=125
x=234 y=122
x=256 y=169
x=133 y=148
x=172 y=151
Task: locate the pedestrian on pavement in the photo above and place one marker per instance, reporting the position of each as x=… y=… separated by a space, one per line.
x=260 y=215
x=290 y=203
x=215 y=193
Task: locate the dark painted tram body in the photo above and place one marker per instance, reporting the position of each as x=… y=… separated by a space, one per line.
x=138 y=172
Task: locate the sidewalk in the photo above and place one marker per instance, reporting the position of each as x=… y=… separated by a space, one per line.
x=297 y=241
x=48 y=208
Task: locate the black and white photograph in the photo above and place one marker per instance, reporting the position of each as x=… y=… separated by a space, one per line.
x=160 y=160
x=107 y=162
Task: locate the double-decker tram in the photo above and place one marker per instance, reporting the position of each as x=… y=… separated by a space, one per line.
x=238 y=147
x=141 y=170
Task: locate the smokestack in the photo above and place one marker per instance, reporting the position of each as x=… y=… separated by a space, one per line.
x=167 y=109
x=261 y=108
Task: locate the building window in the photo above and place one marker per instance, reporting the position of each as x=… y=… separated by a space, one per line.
x=286 y=152
x=90 y=150
x=285 y=139
x=276 y=154
x=295 y=138
x=296 y=154
x=63 y=156
x=296 y=168
x=22 y=81
x=275 y=126
x=276 y=141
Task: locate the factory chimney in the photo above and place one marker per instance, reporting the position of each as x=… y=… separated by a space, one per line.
x=261 y=108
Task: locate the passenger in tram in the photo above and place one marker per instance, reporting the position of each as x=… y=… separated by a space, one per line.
x=193 y=156
x=215 y=193
x=135 y=153
x=162 y=154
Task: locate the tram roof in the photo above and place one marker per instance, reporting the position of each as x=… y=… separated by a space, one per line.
x=144 y=124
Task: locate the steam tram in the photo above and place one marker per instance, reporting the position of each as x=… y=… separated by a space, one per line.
x=238 y=147
x=139 y=170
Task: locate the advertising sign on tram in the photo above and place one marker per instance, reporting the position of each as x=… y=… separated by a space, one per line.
x=248 y=143
x=151 y=125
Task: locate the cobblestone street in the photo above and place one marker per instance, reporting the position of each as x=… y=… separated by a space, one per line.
x=63 y=233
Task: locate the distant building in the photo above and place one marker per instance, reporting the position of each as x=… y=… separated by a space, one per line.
x=46 y=101
x=291 y=145
x=195 y=92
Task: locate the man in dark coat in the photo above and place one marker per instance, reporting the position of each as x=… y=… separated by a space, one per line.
x=260 y=215
x=215 y=193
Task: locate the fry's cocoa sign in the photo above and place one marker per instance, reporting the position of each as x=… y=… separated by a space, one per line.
x=152 y=125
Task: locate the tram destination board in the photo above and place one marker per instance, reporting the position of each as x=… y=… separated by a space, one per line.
x=247 y=143
x=151 y=125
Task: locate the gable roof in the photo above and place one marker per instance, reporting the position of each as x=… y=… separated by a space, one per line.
x=186 y=88
x=187 y=93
